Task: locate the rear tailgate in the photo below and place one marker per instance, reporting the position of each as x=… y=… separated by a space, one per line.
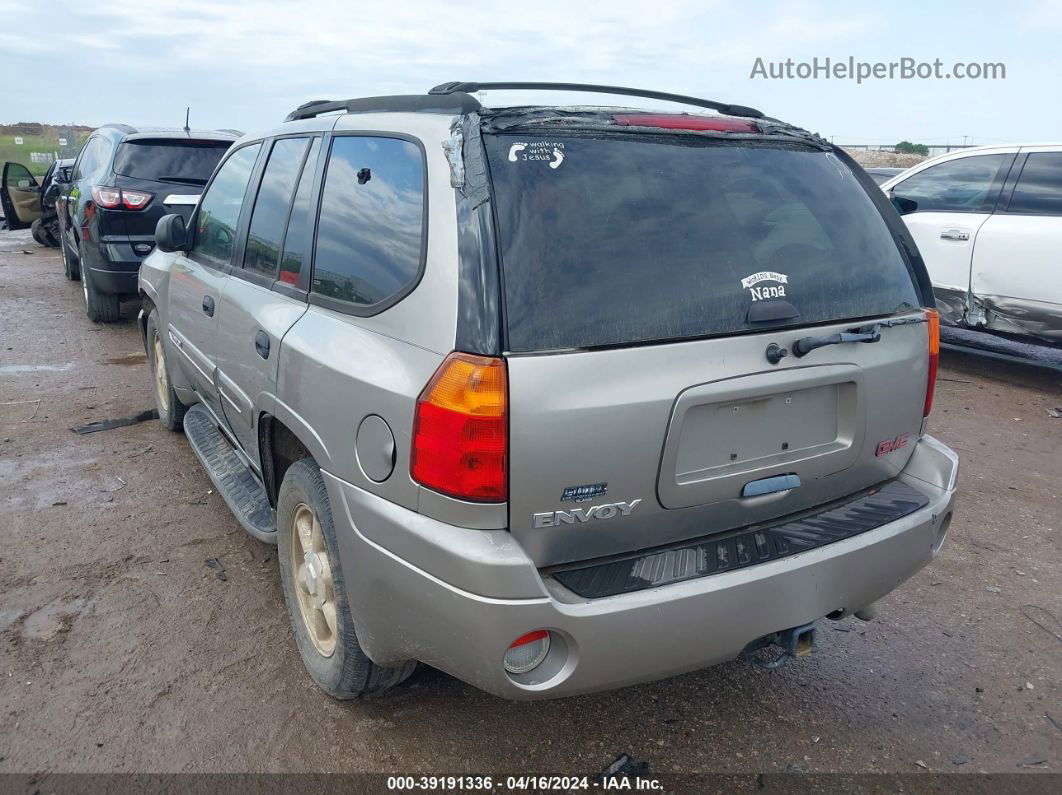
x=680 y=440
x=644 y=281
x=173 y=171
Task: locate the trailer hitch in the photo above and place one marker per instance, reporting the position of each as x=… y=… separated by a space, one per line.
x=793 y=642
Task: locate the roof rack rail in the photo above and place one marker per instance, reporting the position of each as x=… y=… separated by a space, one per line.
x=458 y=88
x=451 y=102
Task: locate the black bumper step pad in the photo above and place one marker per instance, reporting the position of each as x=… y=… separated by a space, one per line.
x=234 y=480
x=707 y=556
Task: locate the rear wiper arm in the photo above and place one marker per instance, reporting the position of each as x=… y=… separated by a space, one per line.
x=871 y=333
x=805 y=345
x=184 y=180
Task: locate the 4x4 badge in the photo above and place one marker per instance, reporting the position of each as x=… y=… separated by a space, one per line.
x=751 y=281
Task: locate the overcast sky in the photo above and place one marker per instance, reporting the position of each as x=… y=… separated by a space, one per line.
x=246 y=63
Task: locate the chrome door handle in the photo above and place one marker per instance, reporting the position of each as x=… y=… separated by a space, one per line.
x=959 y=235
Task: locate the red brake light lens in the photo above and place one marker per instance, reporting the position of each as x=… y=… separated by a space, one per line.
x=115 y=198
x=933 y=319
x=135 y=199
x=460 y=430
x=681 y=121
x=108 y=198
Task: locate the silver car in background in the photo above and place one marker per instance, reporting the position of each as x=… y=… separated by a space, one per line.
x=554 y=399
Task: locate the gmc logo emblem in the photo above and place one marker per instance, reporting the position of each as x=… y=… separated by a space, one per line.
x=890 y=445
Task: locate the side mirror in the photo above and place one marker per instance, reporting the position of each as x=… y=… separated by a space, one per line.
x=903 y=206
x=64 y=174
x=171 y=234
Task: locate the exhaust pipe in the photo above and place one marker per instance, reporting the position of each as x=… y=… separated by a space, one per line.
x=793 y=642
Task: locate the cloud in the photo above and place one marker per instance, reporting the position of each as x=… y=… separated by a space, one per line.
x=246 y=63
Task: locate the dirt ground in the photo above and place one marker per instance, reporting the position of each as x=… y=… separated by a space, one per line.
x=122 y=650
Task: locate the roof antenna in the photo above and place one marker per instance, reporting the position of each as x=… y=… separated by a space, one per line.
x=187 y=112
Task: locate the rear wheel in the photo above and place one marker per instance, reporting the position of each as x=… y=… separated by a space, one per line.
x=315 y=593
x=70 y=265
x=100 y=307
x=171 y=410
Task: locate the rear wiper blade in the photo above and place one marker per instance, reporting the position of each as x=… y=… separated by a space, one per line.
x=805 y=345
x=185 y=180
x=869 y=333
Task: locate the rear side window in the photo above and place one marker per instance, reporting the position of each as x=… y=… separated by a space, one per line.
x=371 y=230
x=93 y=158
x=611 y=241
x=270 y=213
x=294 y=264
x=1039 y=188
x=219 y=212
x=187 y=162
x=966 y=185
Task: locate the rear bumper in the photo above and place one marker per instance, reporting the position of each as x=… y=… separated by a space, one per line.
x=115 y=264
x=456 y=598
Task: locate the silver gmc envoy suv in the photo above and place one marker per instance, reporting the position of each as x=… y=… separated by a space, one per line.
x=554 y=398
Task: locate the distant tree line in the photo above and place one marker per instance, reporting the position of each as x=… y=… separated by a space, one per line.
x=908 y=148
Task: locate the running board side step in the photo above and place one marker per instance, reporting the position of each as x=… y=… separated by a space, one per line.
x=243 y=493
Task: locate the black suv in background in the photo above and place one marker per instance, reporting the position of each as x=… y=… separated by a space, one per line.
x=123 y=181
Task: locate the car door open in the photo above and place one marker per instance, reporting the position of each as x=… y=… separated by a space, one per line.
x=20 y=196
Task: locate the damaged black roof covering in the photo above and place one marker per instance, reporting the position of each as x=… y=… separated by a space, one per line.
x=456 y=98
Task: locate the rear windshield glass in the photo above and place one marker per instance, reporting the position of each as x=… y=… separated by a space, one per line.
x=615 y=240
x=190 y=162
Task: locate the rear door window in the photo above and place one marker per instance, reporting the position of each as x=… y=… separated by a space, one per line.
x=617 y=240
x=1039 y=188
x=270 y=214
x=370 y=237
x=92 y=159
x=186 y=162
x=298 y=240
x=219 y=212
x=967 y=185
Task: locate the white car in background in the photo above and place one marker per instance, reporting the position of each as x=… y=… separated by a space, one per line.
x=988 y=223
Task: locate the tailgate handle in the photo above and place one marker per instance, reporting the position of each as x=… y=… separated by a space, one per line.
x=757 y=488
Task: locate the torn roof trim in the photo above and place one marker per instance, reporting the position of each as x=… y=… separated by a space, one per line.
x=597 y=117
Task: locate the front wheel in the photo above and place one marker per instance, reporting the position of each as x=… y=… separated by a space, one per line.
x=171 y=410
x=100 y=307
x=315 y=594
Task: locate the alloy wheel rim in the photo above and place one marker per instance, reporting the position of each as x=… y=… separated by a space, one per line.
x=162 y=383
x=314 y=589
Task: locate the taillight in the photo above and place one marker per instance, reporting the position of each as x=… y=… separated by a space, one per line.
x=680 y=121
x=460 y=433
x=135 y=199
x=115 y=198
x=108 y=198
x=933 y=319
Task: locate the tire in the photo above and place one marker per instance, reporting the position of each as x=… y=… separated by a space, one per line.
x=171 y=410
x=50 y=232
x=37 y=232
x=72 y=268
x=100 y=307
x=332 y=657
